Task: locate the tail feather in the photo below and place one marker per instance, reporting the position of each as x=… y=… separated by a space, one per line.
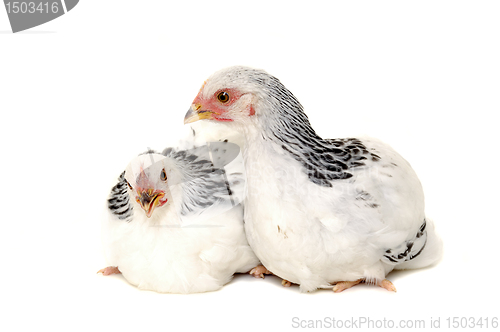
x=429 y=255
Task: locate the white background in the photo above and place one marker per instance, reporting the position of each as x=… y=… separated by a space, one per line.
x=83 y=94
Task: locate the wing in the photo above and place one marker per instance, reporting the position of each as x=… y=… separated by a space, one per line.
x=330 y=159
x=119 y=200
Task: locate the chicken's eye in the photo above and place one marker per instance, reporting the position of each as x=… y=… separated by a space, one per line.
x=163 y=175
x=223 y=97
x=128 y=184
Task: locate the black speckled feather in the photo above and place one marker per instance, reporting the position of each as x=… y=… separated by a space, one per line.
x=118 y=201
x=323 y=160
x=408 y=250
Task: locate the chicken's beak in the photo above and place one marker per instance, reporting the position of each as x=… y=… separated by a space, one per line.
x=195 y=113
x=149 y=200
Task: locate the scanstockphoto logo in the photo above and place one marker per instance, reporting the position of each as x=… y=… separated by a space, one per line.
x=25 y=15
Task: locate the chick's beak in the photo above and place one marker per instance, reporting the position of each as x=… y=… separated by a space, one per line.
x=195 y=113
x=149 y=200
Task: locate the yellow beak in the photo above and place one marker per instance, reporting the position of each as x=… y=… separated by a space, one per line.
x=195 y=113
x=149 y=200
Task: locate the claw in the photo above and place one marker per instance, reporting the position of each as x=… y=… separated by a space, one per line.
x=286 y=283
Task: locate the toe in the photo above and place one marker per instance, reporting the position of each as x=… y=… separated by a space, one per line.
x=386 y=284
x=109 y=270
x=259 y=271
x=343 y=285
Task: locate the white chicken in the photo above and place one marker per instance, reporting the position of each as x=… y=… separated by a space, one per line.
x=319 y=212
x=175 y=221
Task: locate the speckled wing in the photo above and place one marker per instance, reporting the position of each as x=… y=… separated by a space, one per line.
x=118 y=201
x=331 y=159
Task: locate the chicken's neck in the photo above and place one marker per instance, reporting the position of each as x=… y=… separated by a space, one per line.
x=284 y=129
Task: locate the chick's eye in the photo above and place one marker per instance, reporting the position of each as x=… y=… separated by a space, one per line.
x=128 y=184
x=223 y=97
x=163 y=175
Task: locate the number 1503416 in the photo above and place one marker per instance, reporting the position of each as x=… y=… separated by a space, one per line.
x=16 y=7
x=472 y=322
